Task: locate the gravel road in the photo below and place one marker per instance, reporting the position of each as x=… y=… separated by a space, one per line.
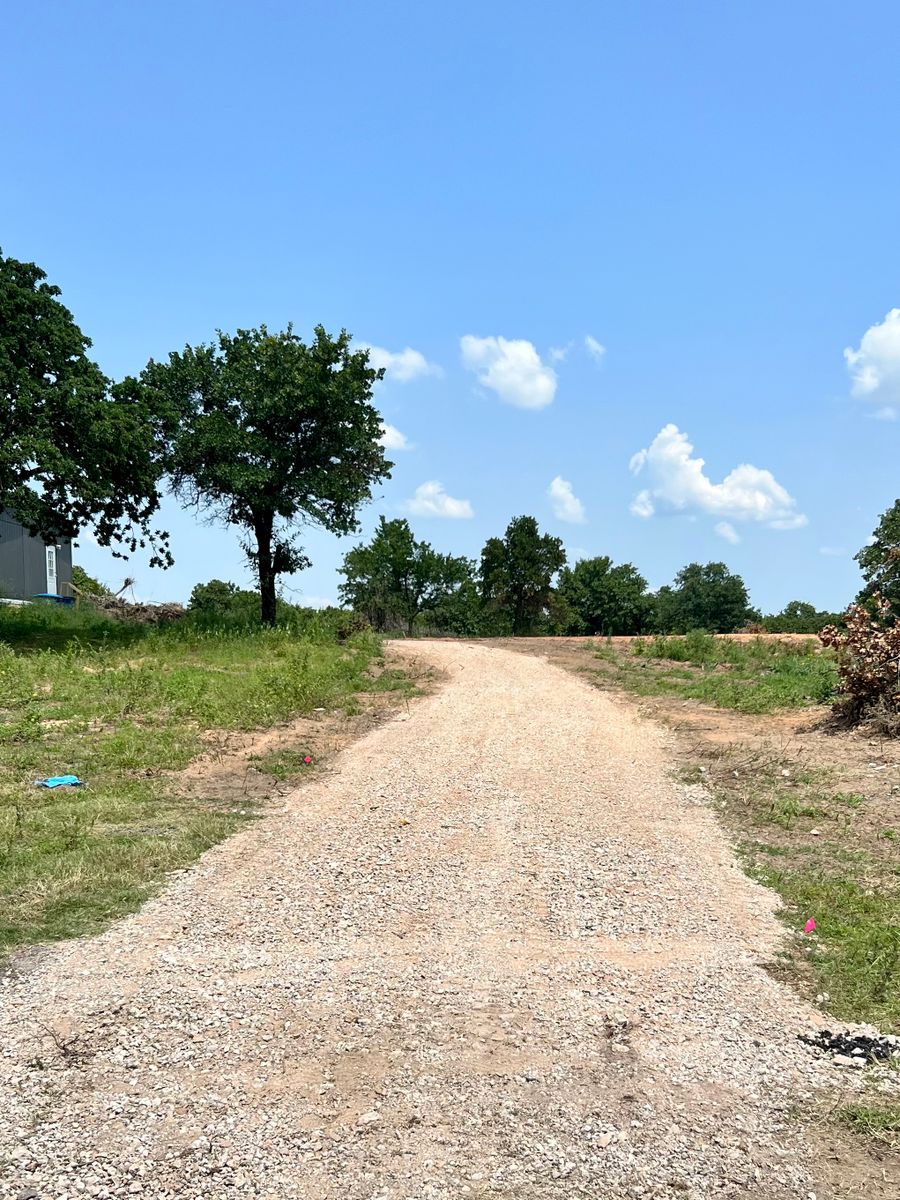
x=494 y=951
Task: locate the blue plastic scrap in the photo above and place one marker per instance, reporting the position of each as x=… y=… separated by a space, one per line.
x=60 y=781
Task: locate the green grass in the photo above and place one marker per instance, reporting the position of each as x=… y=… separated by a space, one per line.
x=54 y=627
x=282 y=764
x=759 y=676
x=122 y=708
x=878 y=1122
x=804 y=839
x=855 y=953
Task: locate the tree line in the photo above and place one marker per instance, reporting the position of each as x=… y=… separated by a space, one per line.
x=522 y=585
x=264 y=432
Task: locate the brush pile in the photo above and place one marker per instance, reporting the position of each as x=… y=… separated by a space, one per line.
x=113 y=604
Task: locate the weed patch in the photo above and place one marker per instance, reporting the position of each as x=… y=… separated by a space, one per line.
x=877 y=1122
x=758 y=676
x=126 y=708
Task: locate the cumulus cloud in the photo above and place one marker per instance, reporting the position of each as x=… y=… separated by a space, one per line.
x=430 y=500
x=566 y=505
x=678 y=483
x=874 y=366
x=594 y=349
x=512 y=369
x=727 y=531
x=403 y=366
x=392 y=439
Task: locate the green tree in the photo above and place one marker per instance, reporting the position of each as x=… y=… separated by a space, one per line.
x=272 y=432
x=879 y=559
x=394 y=578
x=87 y=584
x=75 y=449
x=608 y=600
x=800 y=617
x=706 y=597
x=215 y=598
x=562 y=619
x=517 y=572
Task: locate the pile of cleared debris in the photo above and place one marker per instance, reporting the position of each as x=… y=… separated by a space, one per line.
x=113 y=604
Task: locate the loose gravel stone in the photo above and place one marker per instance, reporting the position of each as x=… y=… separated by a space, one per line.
x=495 y=952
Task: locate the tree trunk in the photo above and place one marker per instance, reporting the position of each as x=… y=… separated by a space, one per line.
x=265 y=569
x=267 y=597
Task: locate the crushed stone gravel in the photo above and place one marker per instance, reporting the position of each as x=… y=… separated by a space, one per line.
x=495 y=952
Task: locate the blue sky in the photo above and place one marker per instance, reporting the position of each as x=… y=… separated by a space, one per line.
x=708 y=191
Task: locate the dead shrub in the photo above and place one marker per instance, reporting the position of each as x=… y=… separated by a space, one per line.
x=868 y=654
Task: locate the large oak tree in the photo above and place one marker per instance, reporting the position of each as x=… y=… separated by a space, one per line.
x=707 y=596
x=272 y=433
x=394 y=578
x=517 y=572
x=75 y=449
x=609 y=600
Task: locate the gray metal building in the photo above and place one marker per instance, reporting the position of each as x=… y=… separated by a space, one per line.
x=28 y=566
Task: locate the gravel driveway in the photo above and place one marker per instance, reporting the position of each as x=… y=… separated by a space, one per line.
x=494 y=952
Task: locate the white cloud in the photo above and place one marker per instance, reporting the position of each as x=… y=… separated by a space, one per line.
x=392 y=439
x=833 y=551
x=875 y=366
x=727 y=531
x=594 y=349
x=430 y=500
x=678 y=483
x=560 y=353
x=403 y=366
x=566 y=505
x=512 y=369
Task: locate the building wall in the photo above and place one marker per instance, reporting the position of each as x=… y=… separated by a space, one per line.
x=23 y=562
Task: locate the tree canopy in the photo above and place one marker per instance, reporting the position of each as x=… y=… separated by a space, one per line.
x=879 y=559
x=517 y=572
x=394 y=578
x=706 y=597
x=606 y=599
x=272 y=433
x=75 y=449
x=799 y=616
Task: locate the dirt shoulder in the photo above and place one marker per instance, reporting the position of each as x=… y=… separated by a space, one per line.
x=260 y=767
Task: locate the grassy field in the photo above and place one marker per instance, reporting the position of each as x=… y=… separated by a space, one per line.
x=758 y=676
x=125 y=708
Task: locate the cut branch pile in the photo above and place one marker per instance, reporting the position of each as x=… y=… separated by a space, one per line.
x=113 y=604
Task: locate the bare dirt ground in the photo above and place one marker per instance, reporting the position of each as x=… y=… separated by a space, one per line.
x=495 y=951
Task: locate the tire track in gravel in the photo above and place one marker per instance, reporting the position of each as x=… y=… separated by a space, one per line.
x=495 y=952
